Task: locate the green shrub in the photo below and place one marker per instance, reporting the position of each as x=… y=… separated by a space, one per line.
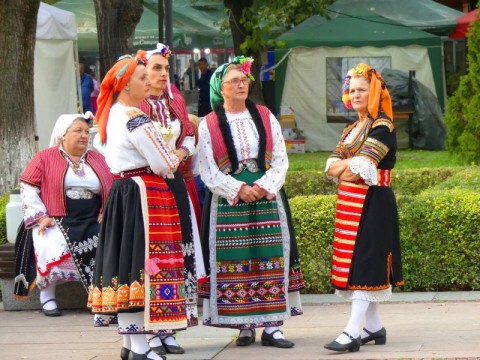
x=407 y=182
x=439 y=238
x=3 y=222
x=461 y=118
x=438 y=233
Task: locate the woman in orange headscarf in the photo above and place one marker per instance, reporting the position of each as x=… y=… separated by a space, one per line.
x=141 y=271
x=366 y=248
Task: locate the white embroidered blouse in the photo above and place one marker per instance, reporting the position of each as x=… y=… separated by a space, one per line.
x=246 y=140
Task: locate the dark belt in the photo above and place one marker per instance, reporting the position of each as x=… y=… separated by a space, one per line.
x=131 y=173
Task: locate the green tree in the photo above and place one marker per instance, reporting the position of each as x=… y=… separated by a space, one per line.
x=462 y=115
x=256 y=24
x=18 y=25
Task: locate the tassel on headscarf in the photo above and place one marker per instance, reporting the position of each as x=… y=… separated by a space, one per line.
x=114 y=81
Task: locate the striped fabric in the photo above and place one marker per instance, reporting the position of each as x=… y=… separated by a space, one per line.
x=249 y=259
x=374 y=150
x=350 y=200
x=384 y=177
x=165 y=302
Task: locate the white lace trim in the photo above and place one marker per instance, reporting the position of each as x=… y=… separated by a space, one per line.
x=372 y=296
x=365 y=168
x=330 y=161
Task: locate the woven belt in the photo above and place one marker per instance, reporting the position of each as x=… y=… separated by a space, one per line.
x=250 y=165
x=79 y=193
x=133 y=172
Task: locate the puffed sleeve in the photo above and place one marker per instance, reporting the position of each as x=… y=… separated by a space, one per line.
x=273 y=179
x=217 y=182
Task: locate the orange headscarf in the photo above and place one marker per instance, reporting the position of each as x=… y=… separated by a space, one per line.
x=113 y=82
x=378 y=98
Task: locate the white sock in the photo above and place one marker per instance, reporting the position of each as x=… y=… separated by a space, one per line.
x=169 y=340
x=126 y=342
x=277 y=335
x=154 y=340
x=47 y=294
x=359 y=308
x=373 y=322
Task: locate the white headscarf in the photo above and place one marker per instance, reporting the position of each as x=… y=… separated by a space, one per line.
x=163 y=50
x=63 y=123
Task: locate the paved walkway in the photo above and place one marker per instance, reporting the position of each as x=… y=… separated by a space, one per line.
x=442 y=325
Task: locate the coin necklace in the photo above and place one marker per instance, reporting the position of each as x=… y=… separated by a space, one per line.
x=164 y=125
x=77 y=167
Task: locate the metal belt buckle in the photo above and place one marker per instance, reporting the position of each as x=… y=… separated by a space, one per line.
x=79 y=193
x=252 y=165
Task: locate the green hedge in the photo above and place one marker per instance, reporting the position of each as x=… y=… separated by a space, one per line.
x=404 y=182
x=438 y=231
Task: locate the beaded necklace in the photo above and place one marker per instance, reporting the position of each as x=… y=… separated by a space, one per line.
x=163 y=121
x=78 y=167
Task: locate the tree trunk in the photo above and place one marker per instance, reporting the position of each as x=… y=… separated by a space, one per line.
x=18 y=25
x=116 y=22
x=239 y=35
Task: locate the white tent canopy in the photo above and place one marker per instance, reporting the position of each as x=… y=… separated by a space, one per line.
x=55 y=70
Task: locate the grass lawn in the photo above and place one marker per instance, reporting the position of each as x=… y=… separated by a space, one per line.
x=406 y=159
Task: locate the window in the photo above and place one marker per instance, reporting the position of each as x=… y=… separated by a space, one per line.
x=337 y=68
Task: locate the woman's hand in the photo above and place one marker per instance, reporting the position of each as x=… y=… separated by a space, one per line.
x=181 y=154
x=348 y=175
x=337 y=168
x=248 y=194
x=100 y=218
x=260 y=191
x=45 y=223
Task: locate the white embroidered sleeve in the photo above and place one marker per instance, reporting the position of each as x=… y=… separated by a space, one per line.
x=216 y=181
x=273 y=179
x=330 y=161
x=33 y=207
x=189 y=143
x=362 y=166
x=148 y=142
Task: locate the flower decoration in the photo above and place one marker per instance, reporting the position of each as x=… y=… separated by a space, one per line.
x=165 y=51
x=245 y=65
x=89 y=118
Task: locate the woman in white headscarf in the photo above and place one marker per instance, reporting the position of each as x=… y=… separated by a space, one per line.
x=63 y=190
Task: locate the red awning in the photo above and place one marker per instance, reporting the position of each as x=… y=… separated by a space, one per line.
x=463 y=23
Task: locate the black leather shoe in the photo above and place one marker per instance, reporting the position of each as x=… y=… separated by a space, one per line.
x=352 y=346
x=124 y=353
x=246 y=340
x=269 y=340
x=52 y=312
x=173 y=349
x=379 y=336
x=160 y=349
x=134 y=356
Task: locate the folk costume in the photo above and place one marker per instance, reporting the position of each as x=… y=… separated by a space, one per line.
x=169 y=113
x=252 y=260
x=72 y=194
x=145 y=268
x=366 y=247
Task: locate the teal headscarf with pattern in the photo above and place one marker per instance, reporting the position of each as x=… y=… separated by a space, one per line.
x=219 y=74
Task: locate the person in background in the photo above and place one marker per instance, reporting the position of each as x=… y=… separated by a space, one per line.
x=145 y=268
x=167 y=109
x=95 y=92
x=195 y=121
x=366 y=247
x=190 y=76
x=87 y=88
x=204 y=88
x=247 y=234
x=63 y=189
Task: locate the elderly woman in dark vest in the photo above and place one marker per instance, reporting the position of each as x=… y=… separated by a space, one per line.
x=247 y=236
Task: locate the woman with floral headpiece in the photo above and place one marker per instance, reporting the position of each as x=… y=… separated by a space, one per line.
x=247 y=235
x=366 y=247
x=143 y=267
x=167 y=109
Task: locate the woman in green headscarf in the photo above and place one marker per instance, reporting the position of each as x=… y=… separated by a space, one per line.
x=247 y=235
